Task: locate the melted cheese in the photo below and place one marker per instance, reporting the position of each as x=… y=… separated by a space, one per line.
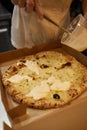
x=17 y=78
x=39 y=92
x=60 y=86
x=32 y=66
x=46 y=86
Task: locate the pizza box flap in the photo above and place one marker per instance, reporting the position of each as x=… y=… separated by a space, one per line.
x=71 y=118
x=24 y=117
x=14 y=54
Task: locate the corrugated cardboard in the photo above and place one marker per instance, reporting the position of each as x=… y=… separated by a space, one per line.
x=70 y=117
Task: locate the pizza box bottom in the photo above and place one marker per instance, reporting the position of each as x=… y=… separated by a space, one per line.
x=72 y=116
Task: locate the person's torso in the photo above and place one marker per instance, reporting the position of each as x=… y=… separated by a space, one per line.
x=27 y=28
x=56 y=9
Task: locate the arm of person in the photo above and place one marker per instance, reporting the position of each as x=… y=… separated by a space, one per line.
x=84 y=6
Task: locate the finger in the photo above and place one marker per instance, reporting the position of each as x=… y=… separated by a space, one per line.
x=15 y=2
x=29 y=5
x=38 y=9
x=21 y=3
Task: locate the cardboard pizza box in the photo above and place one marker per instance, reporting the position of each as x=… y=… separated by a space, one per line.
x=71 y=116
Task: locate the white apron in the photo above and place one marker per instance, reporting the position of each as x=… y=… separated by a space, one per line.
x=27 y=30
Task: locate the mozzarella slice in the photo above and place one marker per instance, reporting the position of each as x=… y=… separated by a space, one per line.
x=17 y=78
x=32 y=66
x=46 y=86
x=39 y=92
x=60 y=86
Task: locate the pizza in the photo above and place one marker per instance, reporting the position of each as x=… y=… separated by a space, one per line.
x=48 y=79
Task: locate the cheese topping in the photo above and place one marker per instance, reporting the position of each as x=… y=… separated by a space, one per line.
x=39 y=92
x=46 y=86
x=17 y=78
x=32 y=66
x=60 y=86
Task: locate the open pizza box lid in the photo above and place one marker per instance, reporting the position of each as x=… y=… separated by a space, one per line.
x=72 y=116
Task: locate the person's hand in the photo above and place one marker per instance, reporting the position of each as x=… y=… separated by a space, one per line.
x=29 y=6
x=34 y=5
